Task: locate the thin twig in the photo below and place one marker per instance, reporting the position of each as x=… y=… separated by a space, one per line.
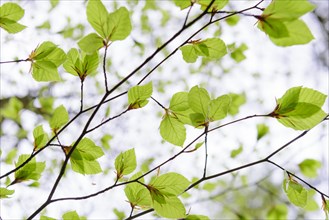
x=206 y=151
x=81 y=95
x=104 y=68
x=15 y=61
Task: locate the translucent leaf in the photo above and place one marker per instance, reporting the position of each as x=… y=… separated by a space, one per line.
x=274 y=28
x=237 y=54
x=172 y=130
x=97 y=17
x=236 y=101
x=138 y=95
x=81 y=64
x=309 y=167
x=218 y=107
x=170 y=183
x=118 y=25
x=12 y=109
x=217 y=5
x=300 y=108
x=288 y=10
x=312 y=205
x=84 y=157
x=262 y=130
x=232 y=20
x=49 y=52
x=179 y=102
x=91 y=43
x=5 y=193
x=295 y=192
x=40 y=137
x=199 y=100
x=197 y=217
x=125 y=162
x=10 y=13
x=236 y=152
x=59 y=118
x=137 y=194
x=172 y=207
x=44 y=71
x=182 y=4
x=31 y=171
x=72 y=215
x=299 y=33
x=211 y=48
x=278 y=212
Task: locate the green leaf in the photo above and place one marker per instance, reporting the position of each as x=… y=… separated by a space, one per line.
x=179 y=102
x=81 y=64
x=46 y=58
x=312 y=204
x=118 y=24
x=10 y=13
x=287 y=10
x=137 y=194
x=138 y=95
x=125 y=163
x=277 y=212
x=31 y=171
x=5 y=193
x=274 y=28
x=211 y=48
x=40 y=137
x=296 y=193
x=91 y=43
x=183 y=3
x=84 y=157
x=219 y=107
x=172 y=207
x=12 y=109
x=300 y=108
x=262 y=130
x=172 y=130
x=97 y=17
x=232 y=20
x=309 y=167
x=60 y=117
x=170 y=183
x=299 y=33
x=72 y=215
x=217 y=5
x=236 y=152
x=236 y=101
x=197 y=217
x=199 y=100
x=119 y=214
x=237 y=54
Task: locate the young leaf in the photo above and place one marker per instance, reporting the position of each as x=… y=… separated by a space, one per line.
x=59 y=118
x=197 y=217
x=211 y=48
x=40 y=137
x=72 y=215
x=236 y=101
x=10 y=13
x=46 y=58
x=288 y=10
x=296 y=193
x=170 y=183
x=12 y=109
x=97 y=17
x=84 y=157
x=81 y=64
x=236 y=152
x=277 y=212
x=171 y=207
x=138 y=95
x=219 y=107
x=172 y=130
x=300 y=108
x=262 y=130
x=5 y=193
x=91 y=43
x=118 y=25
x=31 y=171
x=137 y=194
x=183 y=3
x=309 y=167
x=179 y=102
x=199 y=100
x=298 y=33
x=217 y=4
x=237 y=53
x=125 y=163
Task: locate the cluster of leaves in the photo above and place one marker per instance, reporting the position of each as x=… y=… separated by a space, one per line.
x=299 y=108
